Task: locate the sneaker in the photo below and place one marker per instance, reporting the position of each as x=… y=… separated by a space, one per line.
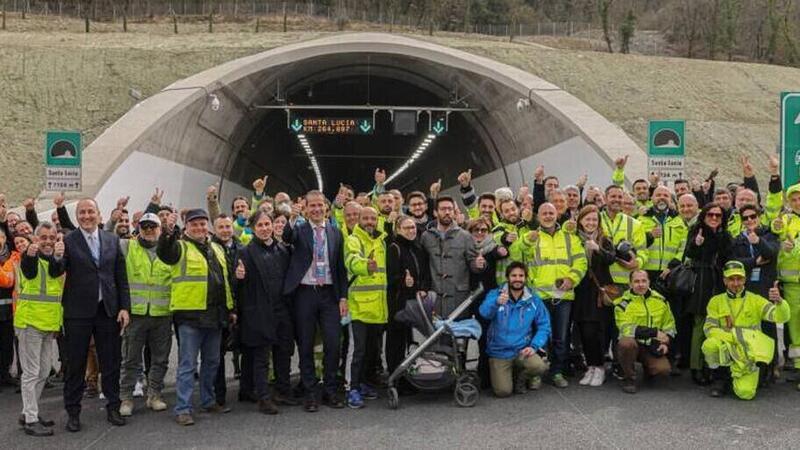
x=520 y=385
x=535 y=383
x=587 y=377
x=629 y=386
x=184 y=419
x=368 y=392
x=37 y=429
x=126 y=408
x=102 y=396
x=138 y=390
x=559 y=381
x=155 y=402
x=354 y=399
x=599 y=377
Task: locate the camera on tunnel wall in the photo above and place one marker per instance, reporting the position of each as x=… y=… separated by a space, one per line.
x=625 y=251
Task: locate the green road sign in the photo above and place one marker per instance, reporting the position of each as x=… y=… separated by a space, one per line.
x=63 y=148
x=790 y=138
x=365 y=126
x=331 y=125
x=666 y=138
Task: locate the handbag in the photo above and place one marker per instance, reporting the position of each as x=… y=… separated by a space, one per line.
x=681 y=280
x=605 y=294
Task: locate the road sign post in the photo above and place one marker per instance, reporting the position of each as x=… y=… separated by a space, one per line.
x=790 y=138
x=63 y=160
x=666 y=149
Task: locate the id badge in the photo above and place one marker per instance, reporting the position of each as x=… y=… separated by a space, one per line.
x=755 y=275
x=319 y=271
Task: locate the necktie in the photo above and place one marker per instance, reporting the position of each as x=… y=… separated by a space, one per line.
x=319 y=255
x=93 y=247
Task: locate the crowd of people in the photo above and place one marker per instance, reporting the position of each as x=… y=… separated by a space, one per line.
x=579 y=281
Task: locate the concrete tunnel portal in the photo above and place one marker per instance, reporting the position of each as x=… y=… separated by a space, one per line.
x=211 y=127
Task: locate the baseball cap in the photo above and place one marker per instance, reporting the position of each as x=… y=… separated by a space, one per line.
x=150 y=218
x=197 y=213
x=733 y=268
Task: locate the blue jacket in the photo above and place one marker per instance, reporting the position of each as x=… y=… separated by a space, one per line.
x=513 y=325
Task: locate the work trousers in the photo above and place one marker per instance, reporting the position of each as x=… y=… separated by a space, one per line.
x=155 y=333
x=36 y=358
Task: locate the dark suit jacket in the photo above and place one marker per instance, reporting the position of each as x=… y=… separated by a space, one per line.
x=260 y=294
x=83 y=277
x=301 y=238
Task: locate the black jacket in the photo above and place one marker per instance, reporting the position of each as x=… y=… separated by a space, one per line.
x=585 y=308
x=402 y=255
x=85 y=279
x=707 y=261
x=301 y=238
x=767 y=248
x=260 y=294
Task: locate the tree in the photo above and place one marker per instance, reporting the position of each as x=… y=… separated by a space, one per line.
x=603 y=7
x=626 y=32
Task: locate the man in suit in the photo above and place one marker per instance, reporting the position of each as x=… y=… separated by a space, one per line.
x=96 y=302
x=317 y=281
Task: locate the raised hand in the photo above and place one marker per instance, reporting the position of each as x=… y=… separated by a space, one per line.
x=699 y=239
x=523 y=192
x=380 y=177
x=747 y=167
x=533 y=235
x=33 y=248
x=29 y=203
x=527 y=214
x=777 y=224
x=788 y=245
x=155 y=198
x=775 y=293
x=582 y=180
x=621 y=162
x=436 y=188
x=465 y=178
x=211 y=193
x=122 y=202
x=409 y=280
x=58 y=248
x=570 y=226
x=240 y=271
x=511 y=237
x=591 y=245
x=656 y=232
x=58 y=200
x=654 y=178
x=502 y=299
x=538 y=173
x=752 y=237
x=774 y=165
x=172 y=220
x=259 y=184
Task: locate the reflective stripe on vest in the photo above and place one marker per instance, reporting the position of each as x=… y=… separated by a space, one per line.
x=39 y=300
x=149 y=282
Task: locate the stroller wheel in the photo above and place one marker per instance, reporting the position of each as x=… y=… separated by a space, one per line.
x=393 y=399
x=466 y=394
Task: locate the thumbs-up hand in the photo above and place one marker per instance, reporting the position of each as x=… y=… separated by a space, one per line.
x=240 y=272
x=777 y=224
x=591 y=245
x=533 y=235
x=58 y=248
x=527 y=214
x=570 y=226
x=33 y=248
x=538 y=173
x=752 y=237
x=372 y=265
x=656 y=233
x=788 y=245
x=436 y=188
x=502 y=299
x=511 y=237
x=380 y=176
x=699 y=239
x=409 y=280
x=465 y=178
x=259 y=184
x=480 y=261
x=172 y=220
x=775 y=293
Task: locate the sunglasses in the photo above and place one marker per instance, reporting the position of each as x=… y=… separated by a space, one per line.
x=750 y=217
x=149 y=226
x=717 y=215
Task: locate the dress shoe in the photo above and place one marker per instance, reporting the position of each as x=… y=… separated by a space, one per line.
x=247 y=397
x=311 y=405
x=44 y=422
x=285 y=400
x=37 y=429
x=333 y=401
x=73 y=424
x=267 y=407
x=114 y=418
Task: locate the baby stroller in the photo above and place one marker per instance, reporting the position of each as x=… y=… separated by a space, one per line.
x=439 y=362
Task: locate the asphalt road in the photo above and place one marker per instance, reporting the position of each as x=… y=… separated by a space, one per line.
x=672 y=413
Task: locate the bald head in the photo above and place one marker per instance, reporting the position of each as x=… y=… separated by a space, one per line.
x=368 y=219
x=547 y=215
x=88 y=214
x=688 y=206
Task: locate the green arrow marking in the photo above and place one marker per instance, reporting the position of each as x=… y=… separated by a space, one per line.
x=297 y=125
x=438 y=128
x=365 y=126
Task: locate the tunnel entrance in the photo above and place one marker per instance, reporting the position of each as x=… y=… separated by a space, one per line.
x=210 y=128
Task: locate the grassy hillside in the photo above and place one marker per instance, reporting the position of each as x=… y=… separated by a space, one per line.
x=54 y=76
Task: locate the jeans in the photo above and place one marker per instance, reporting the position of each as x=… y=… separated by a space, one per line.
x=559 y=342
x=194 y=341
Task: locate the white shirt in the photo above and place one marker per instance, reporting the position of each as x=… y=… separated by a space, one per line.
x=96 y=236
x=310 y=278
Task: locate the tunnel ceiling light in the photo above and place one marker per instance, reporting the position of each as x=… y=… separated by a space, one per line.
x=311 y=158
x=414 y=156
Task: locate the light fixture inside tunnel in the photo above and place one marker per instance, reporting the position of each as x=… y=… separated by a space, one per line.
x=414 y=156
x=314 y=165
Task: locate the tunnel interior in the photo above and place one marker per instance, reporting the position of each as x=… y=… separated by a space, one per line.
x=365 y=80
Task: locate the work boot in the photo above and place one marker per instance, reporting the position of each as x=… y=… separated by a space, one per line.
x=184 y=420
x=717 y=388
x=216 y=408
x=629 y=386
x=45 y=422
x=535 y=383
x=155 y=402
x=126 y=408
x=37 y=429
x=266 y=406
x=115 y=418
x=286 y=400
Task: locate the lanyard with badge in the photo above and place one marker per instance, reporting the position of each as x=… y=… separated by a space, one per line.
x=319 y=253
x=755 y=275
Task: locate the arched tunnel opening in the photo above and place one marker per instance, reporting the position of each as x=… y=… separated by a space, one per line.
x=229 y=125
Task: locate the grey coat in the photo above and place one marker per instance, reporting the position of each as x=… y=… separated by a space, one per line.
x=452 y=257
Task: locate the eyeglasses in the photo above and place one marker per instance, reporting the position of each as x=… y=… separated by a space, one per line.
x=750 y=217
x=717 y=215
x=480 y=230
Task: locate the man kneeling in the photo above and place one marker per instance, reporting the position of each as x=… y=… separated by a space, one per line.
x=646 y=327
x=734 y=342
x=518 y=331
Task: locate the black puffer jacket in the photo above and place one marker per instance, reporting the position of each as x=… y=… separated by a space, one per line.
x=402 y=255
